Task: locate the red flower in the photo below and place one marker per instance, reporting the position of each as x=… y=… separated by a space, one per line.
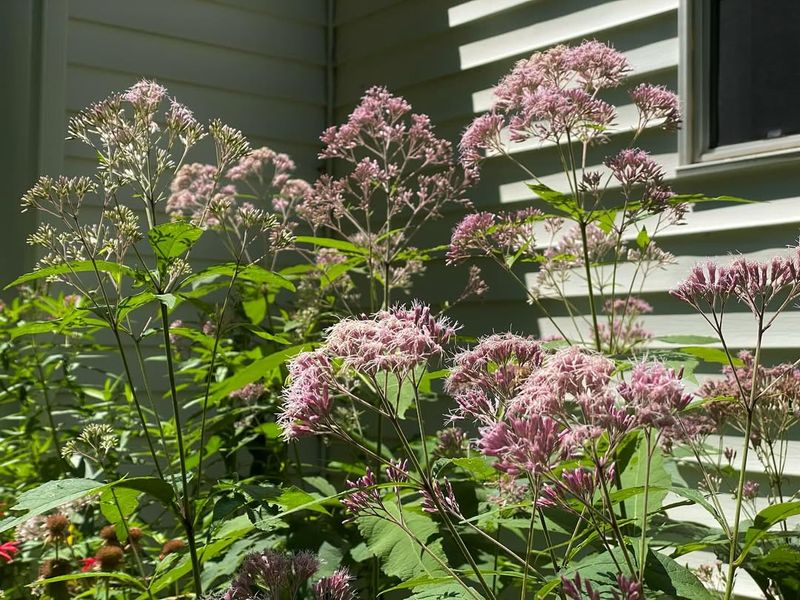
x=88 y=563
x=8 y=550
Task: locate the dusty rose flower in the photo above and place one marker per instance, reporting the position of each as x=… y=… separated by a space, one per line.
x=655 y=394
x=469 y=234
x=578 y=589
x=597 y=65
x=443 y=495
x=482 y=134
x=707 y=285
x=750 y=490
x=335 y=587
x=145 y=95
x=524 y=445
x=656 y=102
x=364 y=496
x=396 y=340
x=307 y=402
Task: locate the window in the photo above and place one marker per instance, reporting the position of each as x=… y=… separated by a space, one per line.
x=740 y=78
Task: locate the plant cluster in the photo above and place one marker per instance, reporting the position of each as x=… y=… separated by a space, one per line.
x=277 y=425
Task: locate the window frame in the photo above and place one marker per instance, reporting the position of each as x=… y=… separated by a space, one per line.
x=694 y=64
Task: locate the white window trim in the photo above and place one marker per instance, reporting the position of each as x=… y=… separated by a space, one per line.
x=694 y=155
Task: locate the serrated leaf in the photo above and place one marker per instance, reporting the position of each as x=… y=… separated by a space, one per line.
x=117 y=507
x=48 y=496
x=172 y=239
x=664 y=574
x=401 y=556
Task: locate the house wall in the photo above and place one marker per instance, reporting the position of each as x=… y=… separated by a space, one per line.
x=259 y=65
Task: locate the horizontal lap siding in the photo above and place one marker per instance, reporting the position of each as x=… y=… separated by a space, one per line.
x=445 y=58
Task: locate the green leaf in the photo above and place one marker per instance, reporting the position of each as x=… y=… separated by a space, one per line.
x=665 y=575
x=401 y=394
x=765 y=519
x=294 y=499
x=780 y=566
x=401 y=556
x=711 y=355
x=331 y=243
x=633 y=459
x=255 y=371
x=254 y=274
x=168 y=300
x=171 y=240
x=477 y=466
x=76 y=266
x=48 y=496
x=117 y=507
x=564 y=203
x=643 y=239
x=694 y=340
x=118 y=575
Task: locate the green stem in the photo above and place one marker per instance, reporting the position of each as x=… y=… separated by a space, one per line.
x=528 y=548
x=643 y=539
x=582 y=224
x=750 y=408
x=186 y=516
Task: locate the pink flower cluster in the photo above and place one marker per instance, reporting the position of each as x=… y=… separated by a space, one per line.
x=199 y=192
x=394 y=341
x=307 y=403
x=553 y=96
x=482 y=233
x=771 y=284
x=398 y=175
x=532 y=408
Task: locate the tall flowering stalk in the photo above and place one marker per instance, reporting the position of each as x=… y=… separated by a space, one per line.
x=762 y=397
x=397 y=174
x=608 y=216
x=119 y=266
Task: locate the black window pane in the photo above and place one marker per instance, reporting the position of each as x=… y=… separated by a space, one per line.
x=755 y=70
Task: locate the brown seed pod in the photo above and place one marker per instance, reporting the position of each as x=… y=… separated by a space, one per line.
x=56 y=527
x=170 y=546
x=135 y=535
x=109 y=557
x=109 y=534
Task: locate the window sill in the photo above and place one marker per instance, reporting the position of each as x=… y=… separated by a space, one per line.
x=774 y=158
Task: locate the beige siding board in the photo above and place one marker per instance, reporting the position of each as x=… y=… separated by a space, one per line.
x=475 y=10
x=194 y=63
x=209 y=24
x=659 y=281
x=577 y=24
x=739 y=328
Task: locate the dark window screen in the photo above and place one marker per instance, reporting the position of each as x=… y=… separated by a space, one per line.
x=755 y=70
